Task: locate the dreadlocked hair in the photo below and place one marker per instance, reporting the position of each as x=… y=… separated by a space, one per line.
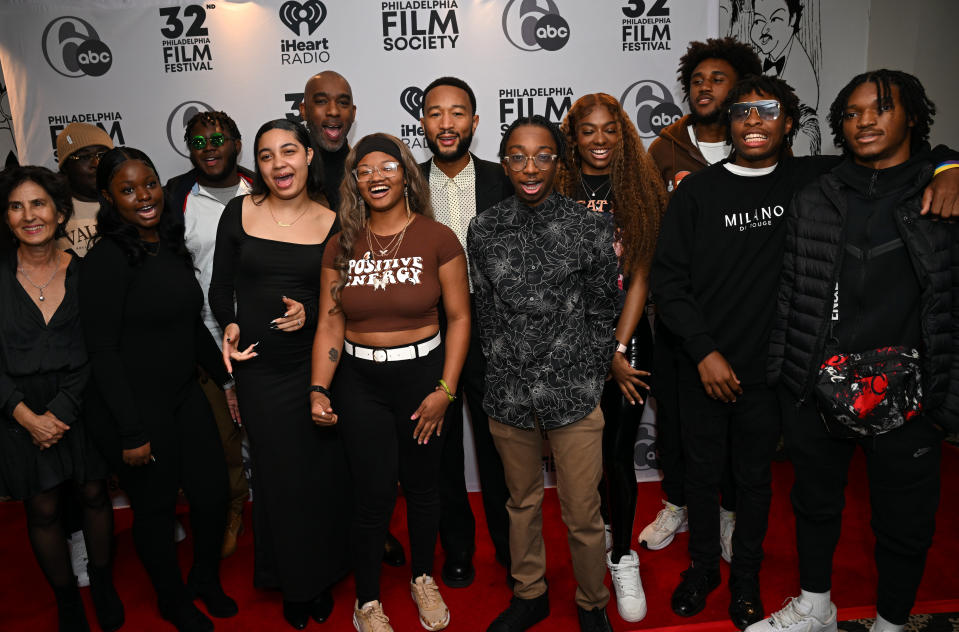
x=212 y=119
x=353 y=213
x=639 y=197
x=919 y=109
x=740 y=56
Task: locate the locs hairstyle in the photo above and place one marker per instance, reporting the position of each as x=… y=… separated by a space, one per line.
x=212 y=119
x=454 y=82
x=772 y=87
x=912 y=96
x=353 y=212
x=639 y=197
x=740 y=56
x=55 y=184
x=314 y=183
x=535 y=120
x=110 y=224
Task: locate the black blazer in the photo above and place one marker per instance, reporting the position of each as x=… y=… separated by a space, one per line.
x=492 y=185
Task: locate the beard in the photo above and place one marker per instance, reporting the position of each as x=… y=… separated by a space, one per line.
x=229 y=168
x=320 y=141
x=461 y=149
x=704 y=119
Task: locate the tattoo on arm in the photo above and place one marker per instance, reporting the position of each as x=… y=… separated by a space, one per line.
x=334 y=354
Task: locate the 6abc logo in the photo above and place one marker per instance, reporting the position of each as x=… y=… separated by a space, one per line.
x=652 y=106
x=73 y=48
x=535 y=25
x=293 y=13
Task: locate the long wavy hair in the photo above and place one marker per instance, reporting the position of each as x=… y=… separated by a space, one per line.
x=639 y=197
x=314 y=182
x=354 y=214
x=110 y=224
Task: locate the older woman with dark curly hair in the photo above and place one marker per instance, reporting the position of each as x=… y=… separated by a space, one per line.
x=383 y=277
x=44 y=443
x=607 y=170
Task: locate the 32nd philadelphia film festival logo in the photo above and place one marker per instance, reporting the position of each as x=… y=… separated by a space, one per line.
x=411 y=100
x=535 y=25
x=303 y=19
x=651 y=106
x=176 y=123
x=73 y=48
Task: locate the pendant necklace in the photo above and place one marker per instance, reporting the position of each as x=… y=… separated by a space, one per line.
x=284 y=224
x=384 y=253
x=56 y=269
x=606 y=184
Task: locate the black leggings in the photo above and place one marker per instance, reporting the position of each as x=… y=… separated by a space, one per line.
x=618 y=487
x=374 y=402
x=189 y=455
x=47 y=536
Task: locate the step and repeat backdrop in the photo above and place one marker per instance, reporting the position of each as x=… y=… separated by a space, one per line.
x=141 y=70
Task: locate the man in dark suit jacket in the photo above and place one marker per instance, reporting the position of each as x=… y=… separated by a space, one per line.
x=462 y=185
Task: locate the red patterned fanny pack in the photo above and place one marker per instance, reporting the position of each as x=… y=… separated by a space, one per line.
x=869 y=393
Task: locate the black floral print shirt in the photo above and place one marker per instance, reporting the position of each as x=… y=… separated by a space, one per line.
x=544 y=284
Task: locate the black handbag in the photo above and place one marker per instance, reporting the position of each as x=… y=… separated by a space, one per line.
x=869 y=393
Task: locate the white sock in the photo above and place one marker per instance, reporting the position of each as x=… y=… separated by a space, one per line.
x=881 y=625
x=818 y=603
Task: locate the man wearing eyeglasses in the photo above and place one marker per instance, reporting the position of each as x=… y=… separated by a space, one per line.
x=462 y=186
x=199 y=196
x=715 y=276
x=79 y=149
x=544 y=283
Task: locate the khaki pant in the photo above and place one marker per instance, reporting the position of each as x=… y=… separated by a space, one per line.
x=578 y=455
x=231 y=437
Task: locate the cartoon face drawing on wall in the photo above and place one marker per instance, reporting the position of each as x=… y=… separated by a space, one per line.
x=773 y=25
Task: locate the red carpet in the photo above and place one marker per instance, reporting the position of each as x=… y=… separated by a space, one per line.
x=26 y=603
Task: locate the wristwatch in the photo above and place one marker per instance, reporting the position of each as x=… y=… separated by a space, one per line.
x=316 y=388
x=620 y=347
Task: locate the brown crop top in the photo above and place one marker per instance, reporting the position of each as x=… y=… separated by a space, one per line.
x=402 y=292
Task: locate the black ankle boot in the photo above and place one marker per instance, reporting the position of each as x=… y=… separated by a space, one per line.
x=209 y=590
x=106 y=601
x=70 y=614
x=185 y=616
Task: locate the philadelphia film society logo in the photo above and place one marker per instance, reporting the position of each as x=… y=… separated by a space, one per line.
x=176 y=123
x=186 y=45
x=303 y=19
x=411 y=100
x=73 y=48
x=535 y=25
x=109 y=122
x=651 y=106
x=552 y=102
x=645 y=25
x=419 y=25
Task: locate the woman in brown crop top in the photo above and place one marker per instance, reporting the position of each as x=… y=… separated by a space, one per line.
x=382 y=280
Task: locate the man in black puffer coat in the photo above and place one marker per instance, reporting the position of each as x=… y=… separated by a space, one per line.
x=864 y=269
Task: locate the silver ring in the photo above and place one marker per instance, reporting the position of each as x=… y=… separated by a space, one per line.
x=299 y=322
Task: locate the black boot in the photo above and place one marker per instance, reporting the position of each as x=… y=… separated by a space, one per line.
x=207 y=588
x=185 y=616
x=106 y=601
x=322 y=606
x=70 y=614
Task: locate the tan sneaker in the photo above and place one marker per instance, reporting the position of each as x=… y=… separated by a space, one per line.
x=370 y=618
x=434 y=615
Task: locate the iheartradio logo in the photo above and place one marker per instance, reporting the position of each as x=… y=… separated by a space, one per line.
x=294 y=14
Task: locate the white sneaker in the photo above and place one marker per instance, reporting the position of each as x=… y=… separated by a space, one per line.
x=796 y=617
x=727 y=524
x=371 y=618
x=434 y=615
x=609 y=536
x=78 y=558
x=630 y=598
x=660 y=532
x=179 y=533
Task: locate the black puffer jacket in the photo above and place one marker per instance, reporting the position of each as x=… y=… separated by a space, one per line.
x=811 y=265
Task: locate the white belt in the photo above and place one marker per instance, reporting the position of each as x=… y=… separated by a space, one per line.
x=392 y=354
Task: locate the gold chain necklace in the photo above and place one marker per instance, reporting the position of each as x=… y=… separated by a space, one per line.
x=384 y=253
x=284 y=224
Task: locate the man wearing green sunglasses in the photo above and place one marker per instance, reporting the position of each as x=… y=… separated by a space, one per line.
x=199 y=197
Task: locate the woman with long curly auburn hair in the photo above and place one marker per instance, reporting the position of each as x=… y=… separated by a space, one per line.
x=382 y=281
x=608 y=170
